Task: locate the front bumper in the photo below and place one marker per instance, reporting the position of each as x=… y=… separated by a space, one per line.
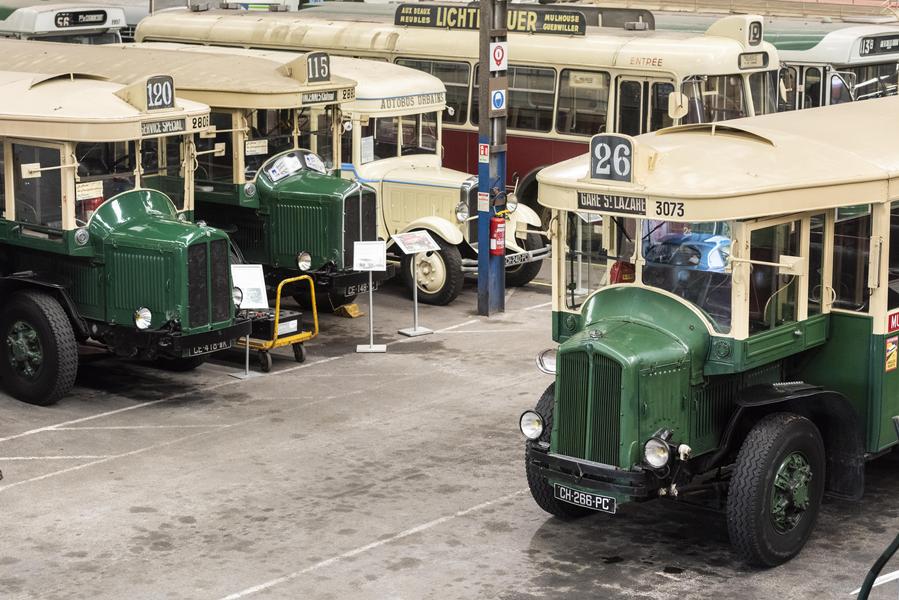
x=470 y=265
x=341 y=280
x=624 y=486
x=128 y=341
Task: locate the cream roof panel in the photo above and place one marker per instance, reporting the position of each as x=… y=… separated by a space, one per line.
x=379 y=84
x=43 y=106
x=754 y=167
x=39 y=18
x=841 y=46
x=222 y=81
x=682 y=53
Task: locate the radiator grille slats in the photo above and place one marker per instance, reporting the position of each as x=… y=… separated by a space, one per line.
x=141 y=279
x=606 y=410
x=300 y=228
x=197 y=285
x=351 y=219
x=571 y=411
x=222 y=303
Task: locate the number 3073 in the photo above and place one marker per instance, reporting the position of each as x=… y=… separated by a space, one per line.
x=669 y=209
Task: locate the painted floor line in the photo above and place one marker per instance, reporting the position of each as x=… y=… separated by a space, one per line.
x=545 y=304
x=73 y=457
x=362 y=549
x=126 y=427
x=517 y=330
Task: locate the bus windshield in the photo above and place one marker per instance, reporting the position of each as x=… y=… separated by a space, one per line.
x=713 y=98
x=874 y=81
x=275 y=130
x=690 y=260
x=390 y=137
x=106 y=37
x=763 y=85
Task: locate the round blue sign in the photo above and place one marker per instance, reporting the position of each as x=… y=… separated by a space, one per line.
x=499 y=99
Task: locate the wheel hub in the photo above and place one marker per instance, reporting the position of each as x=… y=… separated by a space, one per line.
x=791 y=492
x=25 y=353
x=430 y=272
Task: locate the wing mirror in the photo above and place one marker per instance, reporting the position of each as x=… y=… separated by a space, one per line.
x=677 y=105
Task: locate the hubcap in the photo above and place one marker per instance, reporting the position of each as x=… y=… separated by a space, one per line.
x=24 y=349
x=790 y=499
x=430 y=272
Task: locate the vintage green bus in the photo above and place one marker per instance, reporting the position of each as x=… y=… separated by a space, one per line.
x=255 y=176
x=726 y=302
x=90 y=250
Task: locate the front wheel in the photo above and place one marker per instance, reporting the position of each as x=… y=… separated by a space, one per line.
x=38 y=350
x=541 y=489
x=776 y=489
x=438 y=273
x=524 y=273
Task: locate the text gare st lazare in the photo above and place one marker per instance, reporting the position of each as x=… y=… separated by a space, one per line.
x=413 y=101
x=629 y=205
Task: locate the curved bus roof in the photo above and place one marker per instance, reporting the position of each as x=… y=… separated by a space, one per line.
x=72 y=107
x=30 y=18
x=216 y=80
x=746 y=168
x=381 y=87
x=711 y=53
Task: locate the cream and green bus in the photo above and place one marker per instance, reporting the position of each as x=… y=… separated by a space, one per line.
x=726 y=302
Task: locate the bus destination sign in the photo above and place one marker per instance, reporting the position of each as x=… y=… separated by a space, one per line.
x=883 y=44
x=628 y=205
x=79 y=18
x=520 y=20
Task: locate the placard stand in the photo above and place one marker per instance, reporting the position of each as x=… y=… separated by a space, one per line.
x=413 y=243
x=415 y=330
x=246 y=373
x=372 y=346
x=250 y=280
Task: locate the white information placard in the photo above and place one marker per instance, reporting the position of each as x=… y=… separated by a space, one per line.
x=367 y=150
x=413 y=242
x=370 y=256
x=251 y=281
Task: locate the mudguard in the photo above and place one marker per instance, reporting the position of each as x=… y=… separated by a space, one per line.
x=449 y=232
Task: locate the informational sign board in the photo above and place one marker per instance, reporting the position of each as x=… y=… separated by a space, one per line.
x=413 y=242
x=467 y=17
x=499 y=56
x=483 y=201
x=484 y=153
x=498 y=93
x=611 y=157
x=370 y=256
x=251 y=281
x=882 y=44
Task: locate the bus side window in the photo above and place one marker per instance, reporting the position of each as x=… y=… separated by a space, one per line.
x=658 y=107
x=38 y=197
x=530 y=102
x=583 y=102
x=788 y=78
x=210 y=167
x=816 y=264
x=839 y=90
x=893 y=291
x=851 y=243
x=812 y=88
x=454 y=76
x=772 y=296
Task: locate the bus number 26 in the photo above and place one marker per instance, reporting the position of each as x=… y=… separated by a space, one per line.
x=669 y=209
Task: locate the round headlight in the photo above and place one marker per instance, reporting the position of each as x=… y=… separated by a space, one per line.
x=82 y=236
x=511 y=203
x=249 y=189
x=142 y=318
x=531 y=424
x=656 y=453
x=462 y=212
x=304 y=261
x=237 y=296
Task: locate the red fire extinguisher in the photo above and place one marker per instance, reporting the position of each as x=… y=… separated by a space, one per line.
x=497 y=236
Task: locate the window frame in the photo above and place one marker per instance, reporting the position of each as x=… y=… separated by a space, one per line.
x=67 y=182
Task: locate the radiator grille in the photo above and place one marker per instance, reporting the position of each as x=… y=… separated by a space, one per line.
x=351 y=219
x=140 y=279
x=589 y=406
x=300 y=228
x=197 y=285
x=473 y=212
x=222 y=303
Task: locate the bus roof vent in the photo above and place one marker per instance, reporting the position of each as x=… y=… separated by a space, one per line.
x=45 y=78
x=718 y=129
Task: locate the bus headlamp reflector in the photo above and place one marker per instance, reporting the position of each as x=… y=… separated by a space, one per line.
x=304 y=261
x=82 y=236
x=249 y=189
x=143 y=318
x=462 y=213
x=531 y=424
x=656 y=453
x=237 y=296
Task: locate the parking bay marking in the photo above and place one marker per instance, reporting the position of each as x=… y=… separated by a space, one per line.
x=372 y=546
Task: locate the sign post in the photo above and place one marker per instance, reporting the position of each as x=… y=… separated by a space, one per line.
x=370 y=256
x=412 y=244
x=493 y=93
x=250 y=280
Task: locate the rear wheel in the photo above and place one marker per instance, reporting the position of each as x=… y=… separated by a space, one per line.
x=776 y=489
x=439 y=273
x=524 y=273
x=38 y=350
x=541 y=489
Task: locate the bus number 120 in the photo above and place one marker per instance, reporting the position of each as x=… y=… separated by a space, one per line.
x=160 y=92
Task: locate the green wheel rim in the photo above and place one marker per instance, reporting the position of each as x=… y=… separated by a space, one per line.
x=24 y=349
x=790 y=498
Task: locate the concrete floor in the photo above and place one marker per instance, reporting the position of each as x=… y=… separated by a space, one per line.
x=358 y=476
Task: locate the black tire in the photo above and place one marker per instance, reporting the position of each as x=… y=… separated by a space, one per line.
x=524 y=273
x=265 y=361
x=754 y=531
x=541 y=490
x=52 y=331
x=180 y=365
x=452 y=282
x=299 y=352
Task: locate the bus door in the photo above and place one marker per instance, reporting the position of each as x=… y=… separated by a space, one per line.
x=840 y=88
x=642 y=104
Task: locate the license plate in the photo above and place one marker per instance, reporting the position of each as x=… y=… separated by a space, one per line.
x=208 y=348
x=517 y=259
x=360 y=289
x=585 y=499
